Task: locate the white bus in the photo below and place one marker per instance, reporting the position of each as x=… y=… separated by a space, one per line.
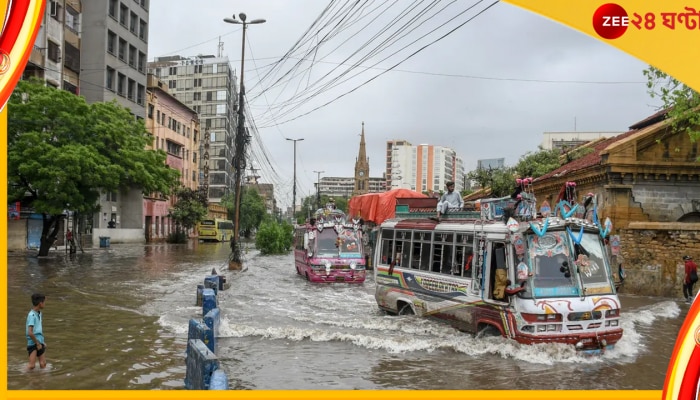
x=535 y=280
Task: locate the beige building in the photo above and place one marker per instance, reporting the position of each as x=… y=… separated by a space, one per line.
x=175 y=130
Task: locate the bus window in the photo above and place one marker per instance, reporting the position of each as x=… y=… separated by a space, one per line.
x=387 y=249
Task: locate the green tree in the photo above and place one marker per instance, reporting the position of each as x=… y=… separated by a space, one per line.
x=500 y=180
x=62 y=152
x=681 y=101
x=274 y=238
x=189 y=209
x=252 y=210
x=538 y=163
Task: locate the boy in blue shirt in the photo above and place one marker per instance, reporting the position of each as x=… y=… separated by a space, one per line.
x=36 y=346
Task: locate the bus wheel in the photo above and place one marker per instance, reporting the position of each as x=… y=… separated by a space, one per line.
x=406 y=310
x=307 y=276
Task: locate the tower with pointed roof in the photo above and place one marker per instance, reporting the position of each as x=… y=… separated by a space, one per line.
x=361 y=167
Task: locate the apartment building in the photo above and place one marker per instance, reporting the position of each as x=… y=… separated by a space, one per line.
x=55 y=57
x=334 y=186
x=114 y=53
x=423 y=168
x=206 y=84
x=175 y=130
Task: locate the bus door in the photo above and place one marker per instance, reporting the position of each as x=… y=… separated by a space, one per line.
x=496 y=274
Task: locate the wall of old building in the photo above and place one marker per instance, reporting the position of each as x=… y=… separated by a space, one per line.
x=652 y=256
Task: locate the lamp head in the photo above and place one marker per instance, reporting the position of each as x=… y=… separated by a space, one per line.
x=242 y=16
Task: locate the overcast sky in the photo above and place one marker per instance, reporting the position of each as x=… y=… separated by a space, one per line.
x=488 y=90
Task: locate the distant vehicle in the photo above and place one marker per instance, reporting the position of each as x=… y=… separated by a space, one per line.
x=504 y=269
x=329 y=248
x=217 y=230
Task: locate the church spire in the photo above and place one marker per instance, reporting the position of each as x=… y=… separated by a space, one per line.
x=362 y=157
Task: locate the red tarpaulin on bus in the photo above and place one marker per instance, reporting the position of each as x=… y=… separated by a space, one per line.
x=377 y=207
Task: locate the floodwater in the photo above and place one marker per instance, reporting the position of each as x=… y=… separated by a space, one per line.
x=117 y=318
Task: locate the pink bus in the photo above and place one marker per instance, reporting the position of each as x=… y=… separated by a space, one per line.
x=329 y=248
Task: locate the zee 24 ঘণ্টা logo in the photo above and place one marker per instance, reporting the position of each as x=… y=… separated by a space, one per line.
x=611 y=20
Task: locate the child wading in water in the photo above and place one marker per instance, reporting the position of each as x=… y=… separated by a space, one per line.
x=36 y=346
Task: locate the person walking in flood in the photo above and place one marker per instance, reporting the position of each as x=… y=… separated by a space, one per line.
x=691 y=276
x=36 y=346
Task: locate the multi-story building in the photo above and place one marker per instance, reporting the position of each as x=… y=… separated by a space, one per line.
x=114 y=53
x=333 y=186
x=423 y=168
x=55 y=57
x=175 y=130
x=491 y=163
x=569 y=140
x=206 y=84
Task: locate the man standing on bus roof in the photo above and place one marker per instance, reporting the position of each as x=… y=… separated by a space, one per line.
x=449 y=200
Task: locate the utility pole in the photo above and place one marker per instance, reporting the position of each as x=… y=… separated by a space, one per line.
x=240 y=141
x=318 y=189
x=294 y=184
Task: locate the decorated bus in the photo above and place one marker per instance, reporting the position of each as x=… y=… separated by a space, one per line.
x=505 y=268
x=328 y=248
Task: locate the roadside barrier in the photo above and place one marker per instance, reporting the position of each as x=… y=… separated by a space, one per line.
x=203 y=368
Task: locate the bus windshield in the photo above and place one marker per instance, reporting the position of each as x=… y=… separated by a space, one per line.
x=590 y=260
x=552 y=275
x=326 y=245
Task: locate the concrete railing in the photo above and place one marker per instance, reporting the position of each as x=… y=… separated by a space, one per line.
x=203 y=368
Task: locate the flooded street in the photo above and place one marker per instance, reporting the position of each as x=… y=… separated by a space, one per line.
x=117 y=318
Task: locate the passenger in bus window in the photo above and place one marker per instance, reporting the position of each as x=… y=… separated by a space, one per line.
x=498 y=263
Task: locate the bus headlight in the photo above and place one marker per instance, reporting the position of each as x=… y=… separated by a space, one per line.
x=353 y=265
x=328 y=267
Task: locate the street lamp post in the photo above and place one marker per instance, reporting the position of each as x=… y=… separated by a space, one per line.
x=318 y=189
x=240 y=141
x=294 y=184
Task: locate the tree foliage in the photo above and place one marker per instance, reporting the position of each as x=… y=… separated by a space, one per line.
x=252 y=212
x=190 y=207
x=500 y=180
x=538 y=163
x=682 y=102
x=63 y=152
x=274 y=238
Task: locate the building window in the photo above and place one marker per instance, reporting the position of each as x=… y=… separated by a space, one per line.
x=140 y=95
x=132 y=56
x=113 y=8
x=210 y=96
x=143 y=30
x=172 y=84
x=54 y=52
x=121 y=84
x=122 y=49
x=123 y=14
x=150 y=109
x=142 y=62
x=72 y=19
x=198 y=82
x=144 y=4
x=110 y=78
x=197 y=96
x=133 y=21
x=198 y=69
x=172 y=71
x=131 y=89
x=111 y=42
x=56 y=11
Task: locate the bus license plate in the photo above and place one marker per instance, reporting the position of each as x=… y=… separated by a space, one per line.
x=339 y=279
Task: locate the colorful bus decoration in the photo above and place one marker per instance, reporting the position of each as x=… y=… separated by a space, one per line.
x=217 y=230
x=328 y=248
x=505 y=269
